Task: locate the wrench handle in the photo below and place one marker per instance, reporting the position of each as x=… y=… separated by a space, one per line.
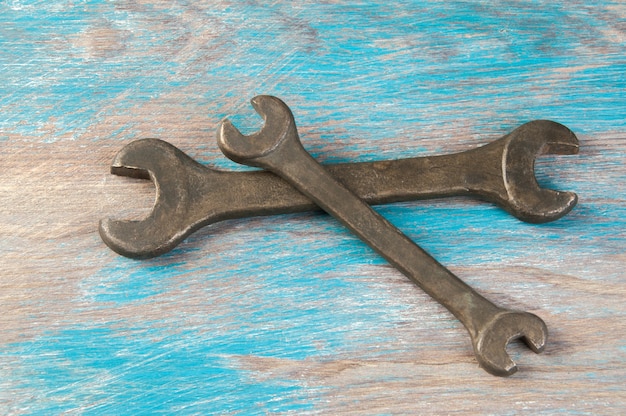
x=472 y=172
x=380 y=182
x=300 y=169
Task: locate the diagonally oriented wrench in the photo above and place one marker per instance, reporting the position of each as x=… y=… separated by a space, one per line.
x=190 y=195
x=277 y=148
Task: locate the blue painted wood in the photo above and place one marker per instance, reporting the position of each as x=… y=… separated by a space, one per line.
x=292 y=314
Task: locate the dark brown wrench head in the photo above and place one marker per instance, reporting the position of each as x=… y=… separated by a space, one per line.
x=495 y=334
x=279 y=127
x=174 y=215
x=522 y=195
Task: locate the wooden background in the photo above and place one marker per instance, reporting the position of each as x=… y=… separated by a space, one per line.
x=292 y=314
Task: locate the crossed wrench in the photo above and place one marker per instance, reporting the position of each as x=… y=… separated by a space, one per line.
x=502 y=171
x=277 y=148
x=190 y=195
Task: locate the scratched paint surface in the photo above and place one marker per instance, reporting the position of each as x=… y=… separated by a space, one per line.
x=292 y=314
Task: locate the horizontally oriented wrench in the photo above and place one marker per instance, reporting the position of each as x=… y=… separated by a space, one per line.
x=277 y=148
x=190 y=195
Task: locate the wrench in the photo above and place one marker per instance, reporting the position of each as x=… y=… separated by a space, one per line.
x=190 y=195
x=276 y=147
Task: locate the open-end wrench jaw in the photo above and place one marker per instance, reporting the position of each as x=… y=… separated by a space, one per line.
x=524 y=197
x=170 y=220
x=491 y=340
x=279 y=126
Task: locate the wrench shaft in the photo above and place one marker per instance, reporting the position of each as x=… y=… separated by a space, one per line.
x=263 y=193
x=300 y=169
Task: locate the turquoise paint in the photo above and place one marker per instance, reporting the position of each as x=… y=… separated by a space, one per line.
x=117 y=376
x=72 y=90
x=199 y=366
x=282 y=312
x=101 y=369
x=160 y=362
x=336 y=62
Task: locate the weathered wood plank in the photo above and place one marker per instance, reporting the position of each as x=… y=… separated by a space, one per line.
x=292 y=314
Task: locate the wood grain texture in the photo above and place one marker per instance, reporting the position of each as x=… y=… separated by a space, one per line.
x=292 y=314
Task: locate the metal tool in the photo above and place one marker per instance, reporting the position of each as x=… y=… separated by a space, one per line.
x=277 y=148
x=190 y=195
